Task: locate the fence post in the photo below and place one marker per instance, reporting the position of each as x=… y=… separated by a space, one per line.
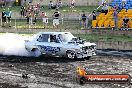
x=1 y=22
x=87 y=23
x=62 y=21
x=15 y=23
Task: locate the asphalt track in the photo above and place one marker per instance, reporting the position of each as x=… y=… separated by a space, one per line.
x=60 y=72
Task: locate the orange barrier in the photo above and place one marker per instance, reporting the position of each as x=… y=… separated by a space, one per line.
x=107 y=20
x=94 y=23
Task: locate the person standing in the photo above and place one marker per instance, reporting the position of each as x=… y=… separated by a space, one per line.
x=35 y=19
x=125 y=23
x=84 y=17
x=123 y=3
x=45 y=19
x=115 y=15
x=3 y=18
x=56 y=16
x=105 y=8
x=9 y=17
x=94 y=15
x=72 y=3
x=27 y=16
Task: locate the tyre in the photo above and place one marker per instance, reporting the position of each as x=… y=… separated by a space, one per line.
x=36 y=52
x=71 y=54
x=87 y=57
x=82 y=80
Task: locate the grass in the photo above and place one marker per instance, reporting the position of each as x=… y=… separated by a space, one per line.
x=64 y=9
x=96 y=38
x=107 y=38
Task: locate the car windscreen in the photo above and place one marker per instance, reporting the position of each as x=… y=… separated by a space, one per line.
x=66 y=37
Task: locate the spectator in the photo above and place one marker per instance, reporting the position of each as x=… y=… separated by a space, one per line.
x=31 y=15
x=25 y=3
x=35 y=19
x=56 y=16
x=3 y=3
x=84 y=17
x=59 y=4
x=52 y=6
x=94 y=15
x=27 y=16
x=125 y=23
x=105 y=8
x=115 y=15
x=8 y=14
x=30 y=1
x=45 y=19
x=22 y=11
x=123 y=3
x=117 y=7
x=72 y=3
x=3 y=18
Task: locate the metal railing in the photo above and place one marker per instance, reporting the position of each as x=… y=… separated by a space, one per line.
x=65 y=23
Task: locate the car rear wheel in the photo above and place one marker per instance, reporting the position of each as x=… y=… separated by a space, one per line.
x=87 y=57
x=71 y=54
x=36 y=53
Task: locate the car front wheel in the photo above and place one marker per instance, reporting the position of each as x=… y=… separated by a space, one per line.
x=71 y=54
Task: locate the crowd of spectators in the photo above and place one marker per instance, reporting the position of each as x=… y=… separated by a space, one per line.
x=117 y=9
x=57 y=5
x=32 y=11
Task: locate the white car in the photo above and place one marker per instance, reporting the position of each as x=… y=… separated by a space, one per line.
x=59 y=44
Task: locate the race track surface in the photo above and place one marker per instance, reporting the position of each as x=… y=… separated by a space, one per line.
x=60 y=72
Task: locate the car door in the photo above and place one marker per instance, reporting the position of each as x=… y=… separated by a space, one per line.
x=43 y=43
x=56 y=46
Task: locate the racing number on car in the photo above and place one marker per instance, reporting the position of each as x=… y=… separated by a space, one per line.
x=50 y=49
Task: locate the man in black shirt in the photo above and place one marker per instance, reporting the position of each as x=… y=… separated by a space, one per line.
x=3 y=18
x=94 y=15
x=84 y=17
x=56 y=16
x=125 y=22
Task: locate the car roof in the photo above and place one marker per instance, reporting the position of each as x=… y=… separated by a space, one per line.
x=56 y=33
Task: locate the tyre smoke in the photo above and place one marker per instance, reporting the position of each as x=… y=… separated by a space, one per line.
x=13 y=44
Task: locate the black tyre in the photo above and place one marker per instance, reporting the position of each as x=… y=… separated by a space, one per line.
x=71 y=54
x=87 y=57
x=36 y=53
x=82 y=80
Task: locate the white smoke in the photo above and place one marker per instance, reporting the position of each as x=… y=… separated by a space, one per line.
x=13 y=44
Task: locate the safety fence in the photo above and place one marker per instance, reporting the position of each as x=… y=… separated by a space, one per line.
x=64 y=23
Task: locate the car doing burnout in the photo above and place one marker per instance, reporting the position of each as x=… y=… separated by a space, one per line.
x=59 y=44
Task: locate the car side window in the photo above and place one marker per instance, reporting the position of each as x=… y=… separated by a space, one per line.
x=43 y=38
x=52 y=38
